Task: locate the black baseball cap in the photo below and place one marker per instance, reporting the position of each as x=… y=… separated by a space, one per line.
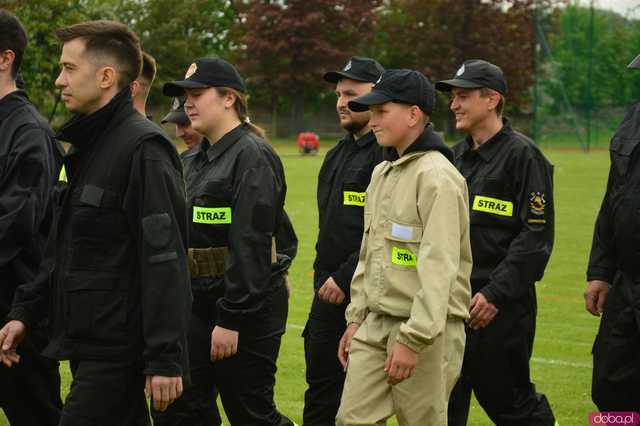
x=176 y=115
x=400 y=86
x=359 y=69
x=206 y=72
x=475 y=74
x=635 y=63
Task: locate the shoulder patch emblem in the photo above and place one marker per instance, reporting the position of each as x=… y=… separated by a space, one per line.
x=537 y=203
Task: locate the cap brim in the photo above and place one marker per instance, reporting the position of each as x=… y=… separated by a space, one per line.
x=336 y=76
x=176 y=117
x=635 y=63
x=372 y=98
x=447 y=85
x=176 y=88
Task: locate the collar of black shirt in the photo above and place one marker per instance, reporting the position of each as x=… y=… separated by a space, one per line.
x=488 y=150
x=365 y=140
x=215 y=150
x=12 y=101
x=83 y=130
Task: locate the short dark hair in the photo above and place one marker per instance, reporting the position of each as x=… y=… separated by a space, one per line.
x=12 y=37
x=148 y=67
x=484 y=92
x=112 y=39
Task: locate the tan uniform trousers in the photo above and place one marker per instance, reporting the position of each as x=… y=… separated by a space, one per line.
x=420 y=400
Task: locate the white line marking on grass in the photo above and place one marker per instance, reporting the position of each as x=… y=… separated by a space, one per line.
x=564 y=342
x=534 y=359
x=560 y=362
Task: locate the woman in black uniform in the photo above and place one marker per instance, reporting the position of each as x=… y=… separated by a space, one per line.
x=236 y=189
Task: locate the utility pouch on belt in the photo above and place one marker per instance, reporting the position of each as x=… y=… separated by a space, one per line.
x=210 y=262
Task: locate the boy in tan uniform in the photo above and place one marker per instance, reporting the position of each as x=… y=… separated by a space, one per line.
x=410 y=293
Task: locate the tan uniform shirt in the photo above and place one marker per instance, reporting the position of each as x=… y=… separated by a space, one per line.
x=415 y=259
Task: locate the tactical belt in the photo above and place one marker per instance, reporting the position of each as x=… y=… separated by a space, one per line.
x=210 y=262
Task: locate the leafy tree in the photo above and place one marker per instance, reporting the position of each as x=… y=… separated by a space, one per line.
x=286 y=46
x=615 y=44
x=40 y=66
x=177 y=34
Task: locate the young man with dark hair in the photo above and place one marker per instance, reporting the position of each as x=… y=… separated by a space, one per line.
x=29 y=165
x=512 y=223
x=342 y=182
x=404 y=341
x=142 y=85
x=119 y=290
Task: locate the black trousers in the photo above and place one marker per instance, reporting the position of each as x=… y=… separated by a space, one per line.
x=325 y=376
x=105 y=394
x=496 y=369
x=30 y=390
x=197 y=406
x=244 y=381
x=616 y=350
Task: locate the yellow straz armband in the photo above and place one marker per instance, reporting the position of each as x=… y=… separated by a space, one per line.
x=212 y=215
x=62 y=177
x=354 y=198
x=492 y=205
x=403 y=257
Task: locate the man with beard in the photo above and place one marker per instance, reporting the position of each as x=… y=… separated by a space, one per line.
x=343 y=179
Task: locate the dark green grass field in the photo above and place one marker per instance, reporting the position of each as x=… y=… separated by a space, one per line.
x=561 y=364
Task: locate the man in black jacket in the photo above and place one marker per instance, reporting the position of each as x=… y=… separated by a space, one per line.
x=30 y=160
x=342 y=182
x=512 y=227
x=118 y=291
x=614 y=274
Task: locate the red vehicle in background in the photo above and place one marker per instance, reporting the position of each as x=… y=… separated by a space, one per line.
x=308 y=143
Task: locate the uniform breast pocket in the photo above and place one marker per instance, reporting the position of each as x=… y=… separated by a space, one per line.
x=354 y=189
x=96 y=307
x=621 y=150
x=101 y=240
x=492 y=202
x=95 y=223
x=213 y=205
x=402 y=244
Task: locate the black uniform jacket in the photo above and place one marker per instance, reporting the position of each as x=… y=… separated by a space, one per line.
x=512 y=213
x=30 y=160
x=342 y=183
x=118 y=286
x=236 y=190
x=616 y=239
x=286 y=238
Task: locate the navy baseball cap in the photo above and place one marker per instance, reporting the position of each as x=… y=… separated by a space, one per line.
x=401 y=86
x=176 y=114
x=635 y=63
x=206 y=72
x=476 y=74
x=359 y=69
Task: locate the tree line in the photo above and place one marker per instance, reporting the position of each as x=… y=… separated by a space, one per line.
x=283 y=47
